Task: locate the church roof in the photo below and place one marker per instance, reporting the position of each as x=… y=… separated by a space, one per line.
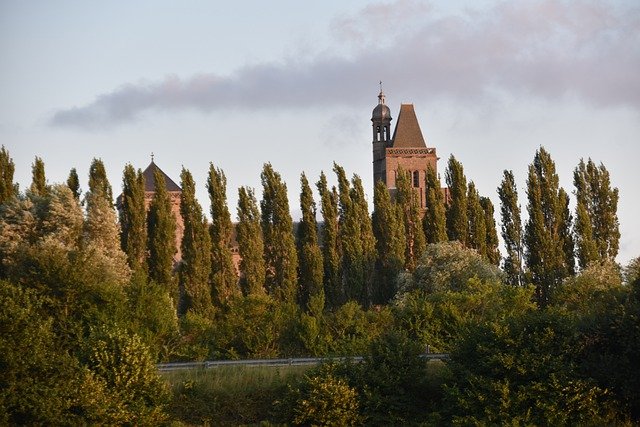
x=407 y=133
x=149 y=182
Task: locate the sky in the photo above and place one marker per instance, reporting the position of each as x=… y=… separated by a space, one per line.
x=293 y=83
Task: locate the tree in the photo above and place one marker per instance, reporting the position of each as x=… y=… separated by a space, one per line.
x=330 y=243
x=38 y=180
x=566 y=221
x=456 y=211
x=73 y=182
x=224 y=280
x=98 y=180
x=477 y=230
x=250 y=243
x=195 y=267
x=133 y=219
x=161 y=235
x=309 y=255
x=355 y=238
x=597 y=232
x=280 y=255
x=511 y=228
x=7 y=169
x=493 y=253
x=390 y=243
x=544 y=238
x=407 y=201
x=434 y=221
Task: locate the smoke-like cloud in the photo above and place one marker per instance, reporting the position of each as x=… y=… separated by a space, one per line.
x=544 y=49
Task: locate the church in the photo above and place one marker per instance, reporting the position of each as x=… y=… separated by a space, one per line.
x=406 y=149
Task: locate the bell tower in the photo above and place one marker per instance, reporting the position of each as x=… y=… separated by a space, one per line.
x=381 y=123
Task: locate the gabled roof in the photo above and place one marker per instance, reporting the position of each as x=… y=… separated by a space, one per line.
x=407 y=133
x=149 y=182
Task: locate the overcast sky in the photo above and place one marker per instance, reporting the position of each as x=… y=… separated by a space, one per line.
x=293 y=83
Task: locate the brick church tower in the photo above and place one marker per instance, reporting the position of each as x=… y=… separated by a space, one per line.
x=406 y=149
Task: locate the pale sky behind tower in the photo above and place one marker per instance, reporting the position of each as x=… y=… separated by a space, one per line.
x=293 y=83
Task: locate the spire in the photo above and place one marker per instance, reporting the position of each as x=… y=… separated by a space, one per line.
x=381 y=95
x=407 y=132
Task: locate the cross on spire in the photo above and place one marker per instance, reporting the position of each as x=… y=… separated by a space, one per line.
x=152 y=157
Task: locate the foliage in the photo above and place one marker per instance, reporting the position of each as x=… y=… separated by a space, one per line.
x=309 y=254
x=493 y=253
x=280 y=254
x=73 y=182
x=456 y=211
x=195 y=266
x=98 y=182
x=524 y=371
x=161 y=235
x=511 y=229
x=545 y=234
x=133 y=219
x=38 y=180
x=250 y=243
x=224 y=281
x=597 y=227
x=409 y=207
x=477 y=230
x=390 y=244
x=333 y=289
x=435 y=226
x=448 y=266
x=7 y=168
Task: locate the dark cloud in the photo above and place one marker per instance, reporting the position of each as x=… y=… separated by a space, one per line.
x=543 y=49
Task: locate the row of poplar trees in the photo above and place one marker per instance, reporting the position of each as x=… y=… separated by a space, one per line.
x=352 y=255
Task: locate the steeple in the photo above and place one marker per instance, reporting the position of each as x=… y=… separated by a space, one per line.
x=381 y=122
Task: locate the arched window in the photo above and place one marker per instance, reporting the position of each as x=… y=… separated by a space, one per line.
x=416 y=178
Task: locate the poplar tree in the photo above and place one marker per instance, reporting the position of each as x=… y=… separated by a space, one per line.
x=545 y=254
x=511 y=228
x=366 y=235
x=161 y=235
x=98 y=179
x=73 y=182
x=38 y=179
x=195 y=266
x=333 y=289
x=476 y=231
x=492 y=242
x=280 y=255
x=434 y=221
x=224 y=279
x=7 y=168
x=456 y=211
x=388 y=230
x=250 y=244
x=407 y=201
x=133 y=219
x=309 y=255
x=566 y=224
x=597 y=231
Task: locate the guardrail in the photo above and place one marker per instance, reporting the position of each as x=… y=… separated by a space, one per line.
x=299 y=361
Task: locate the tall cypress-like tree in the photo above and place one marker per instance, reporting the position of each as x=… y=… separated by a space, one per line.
x=309 y=255
x=7 y=168
x=511 y=228
x=161 y=234
x=195 y=266
x=456 y=211
x=545 y=254
x=98 y=179
x=224 y=280
x=133 y=219
x=407 y=201
x=566 y=224
x=280 y=254
x=390 y=238
x=250 y=243
x=477 y=231
x=434 y=221
x=38 y=179
x=596 y=213
x=333 y=289
x=73 y=182
x=363 y=218
x=493 y=253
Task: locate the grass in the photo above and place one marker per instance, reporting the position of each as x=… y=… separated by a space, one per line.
x=233 y=395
